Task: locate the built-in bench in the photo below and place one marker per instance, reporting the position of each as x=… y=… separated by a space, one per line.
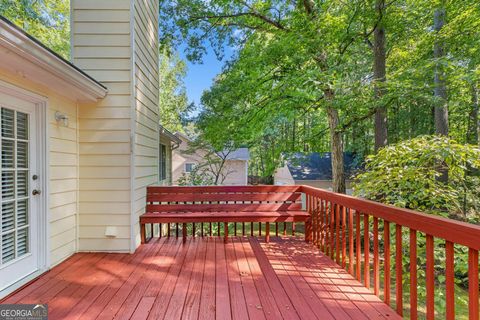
x=223 y=204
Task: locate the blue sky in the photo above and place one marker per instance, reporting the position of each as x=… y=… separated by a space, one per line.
x=200 y=76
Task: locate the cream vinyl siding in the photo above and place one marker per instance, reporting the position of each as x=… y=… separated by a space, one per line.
x=101 y=38
x=146 y=79
x=63 y=169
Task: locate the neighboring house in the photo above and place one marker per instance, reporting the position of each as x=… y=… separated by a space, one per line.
x=168 y=142
x=80 y=139
x=235 y=168
x=313 y=169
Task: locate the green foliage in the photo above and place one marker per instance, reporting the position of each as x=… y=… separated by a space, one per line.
x=197 y=177
x=172 y=97
x=406 y=175
x=46 y=20
x=270 y=96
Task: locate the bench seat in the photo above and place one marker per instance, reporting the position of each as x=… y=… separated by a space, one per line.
x=225 y=216
x=224 y=204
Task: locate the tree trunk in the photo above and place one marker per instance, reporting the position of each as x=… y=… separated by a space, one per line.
x=440 y=88
x=379 y=74
x=338 y=172
x=473 y=121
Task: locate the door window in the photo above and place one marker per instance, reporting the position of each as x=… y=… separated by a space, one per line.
x=14 y=218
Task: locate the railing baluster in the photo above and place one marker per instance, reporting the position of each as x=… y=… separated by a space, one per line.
x=193 y=230
x=235 y=229
x=168 y=229
x=243 y=229
x=430 y=278
x=350 y=242
x=251 y=229
x=322 y=225
x=449 y=280
x=413 y=275
x=218 y=229
x=386 y=254
x=259 y=229
x=473 y=284
x=332 y=228
x=376 y=259
x=358 y=247
x=201 y=232
x=210 y=229
x=344 y=237
x=366 y=250
x=337 y=233
x=276 y=229
x=398 y=269
x=176 y=230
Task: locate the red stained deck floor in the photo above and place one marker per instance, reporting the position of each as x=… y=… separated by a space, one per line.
x=204 y=279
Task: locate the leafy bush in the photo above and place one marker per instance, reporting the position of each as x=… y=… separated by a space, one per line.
x=407 y=175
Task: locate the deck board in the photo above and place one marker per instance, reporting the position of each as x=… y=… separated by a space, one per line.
x=204 y=278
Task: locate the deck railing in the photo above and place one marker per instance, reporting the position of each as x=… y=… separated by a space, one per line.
x=345 y=228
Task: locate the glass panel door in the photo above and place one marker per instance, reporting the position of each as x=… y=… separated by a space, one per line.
x=15 y=196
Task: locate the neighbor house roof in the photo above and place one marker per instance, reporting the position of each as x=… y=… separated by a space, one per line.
x=169 y=135
x=239 y=154
x=31 y=59
x=317 y=166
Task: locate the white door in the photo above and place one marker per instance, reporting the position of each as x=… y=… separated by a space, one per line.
x=19 y=197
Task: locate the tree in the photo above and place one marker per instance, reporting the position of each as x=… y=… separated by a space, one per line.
x=47 y=20
x=379 y=76
x=173 y=102
x=212 y=169
x=404 y=175
x=278 y=84
x=440 y=88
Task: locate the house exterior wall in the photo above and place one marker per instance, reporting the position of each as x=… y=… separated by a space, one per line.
x=62 y=167
x=238 y=168
x=146 y=121
x=101 y=46
x=168 y=179
x=237 y=173
x=115 y=41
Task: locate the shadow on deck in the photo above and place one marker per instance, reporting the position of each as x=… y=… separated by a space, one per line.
x=204 y=278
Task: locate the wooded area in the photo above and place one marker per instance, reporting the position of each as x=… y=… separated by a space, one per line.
x=333 y=75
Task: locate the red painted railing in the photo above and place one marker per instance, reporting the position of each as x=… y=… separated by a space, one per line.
x=343 y=228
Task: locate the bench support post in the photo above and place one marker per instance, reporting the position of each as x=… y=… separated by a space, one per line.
x=143 y=236
x=267 y=232
x=184 y=232
x=225 y=232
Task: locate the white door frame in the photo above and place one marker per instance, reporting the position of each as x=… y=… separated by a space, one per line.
x=42 y=151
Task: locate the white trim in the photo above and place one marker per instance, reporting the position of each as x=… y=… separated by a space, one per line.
x=133 y=118
x=42 y=152
x=18 y=42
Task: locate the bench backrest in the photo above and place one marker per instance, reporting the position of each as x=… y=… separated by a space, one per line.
x=223 y=198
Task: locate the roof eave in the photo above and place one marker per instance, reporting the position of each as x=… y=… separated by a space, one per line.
x=19 y=42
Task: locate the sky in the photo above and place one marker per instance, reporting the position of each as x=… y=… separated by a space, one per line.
x=200 y=76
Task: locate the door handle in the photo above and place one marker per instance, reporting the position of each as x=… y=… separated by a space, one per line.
x=36 y=192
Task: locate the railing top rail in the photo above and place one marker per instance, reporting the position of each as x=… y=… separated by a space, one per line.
x=451 y=230
x=224 y=189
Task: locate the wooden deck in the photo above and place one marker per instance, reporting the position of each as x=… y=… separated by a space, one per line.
x=204 y=278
